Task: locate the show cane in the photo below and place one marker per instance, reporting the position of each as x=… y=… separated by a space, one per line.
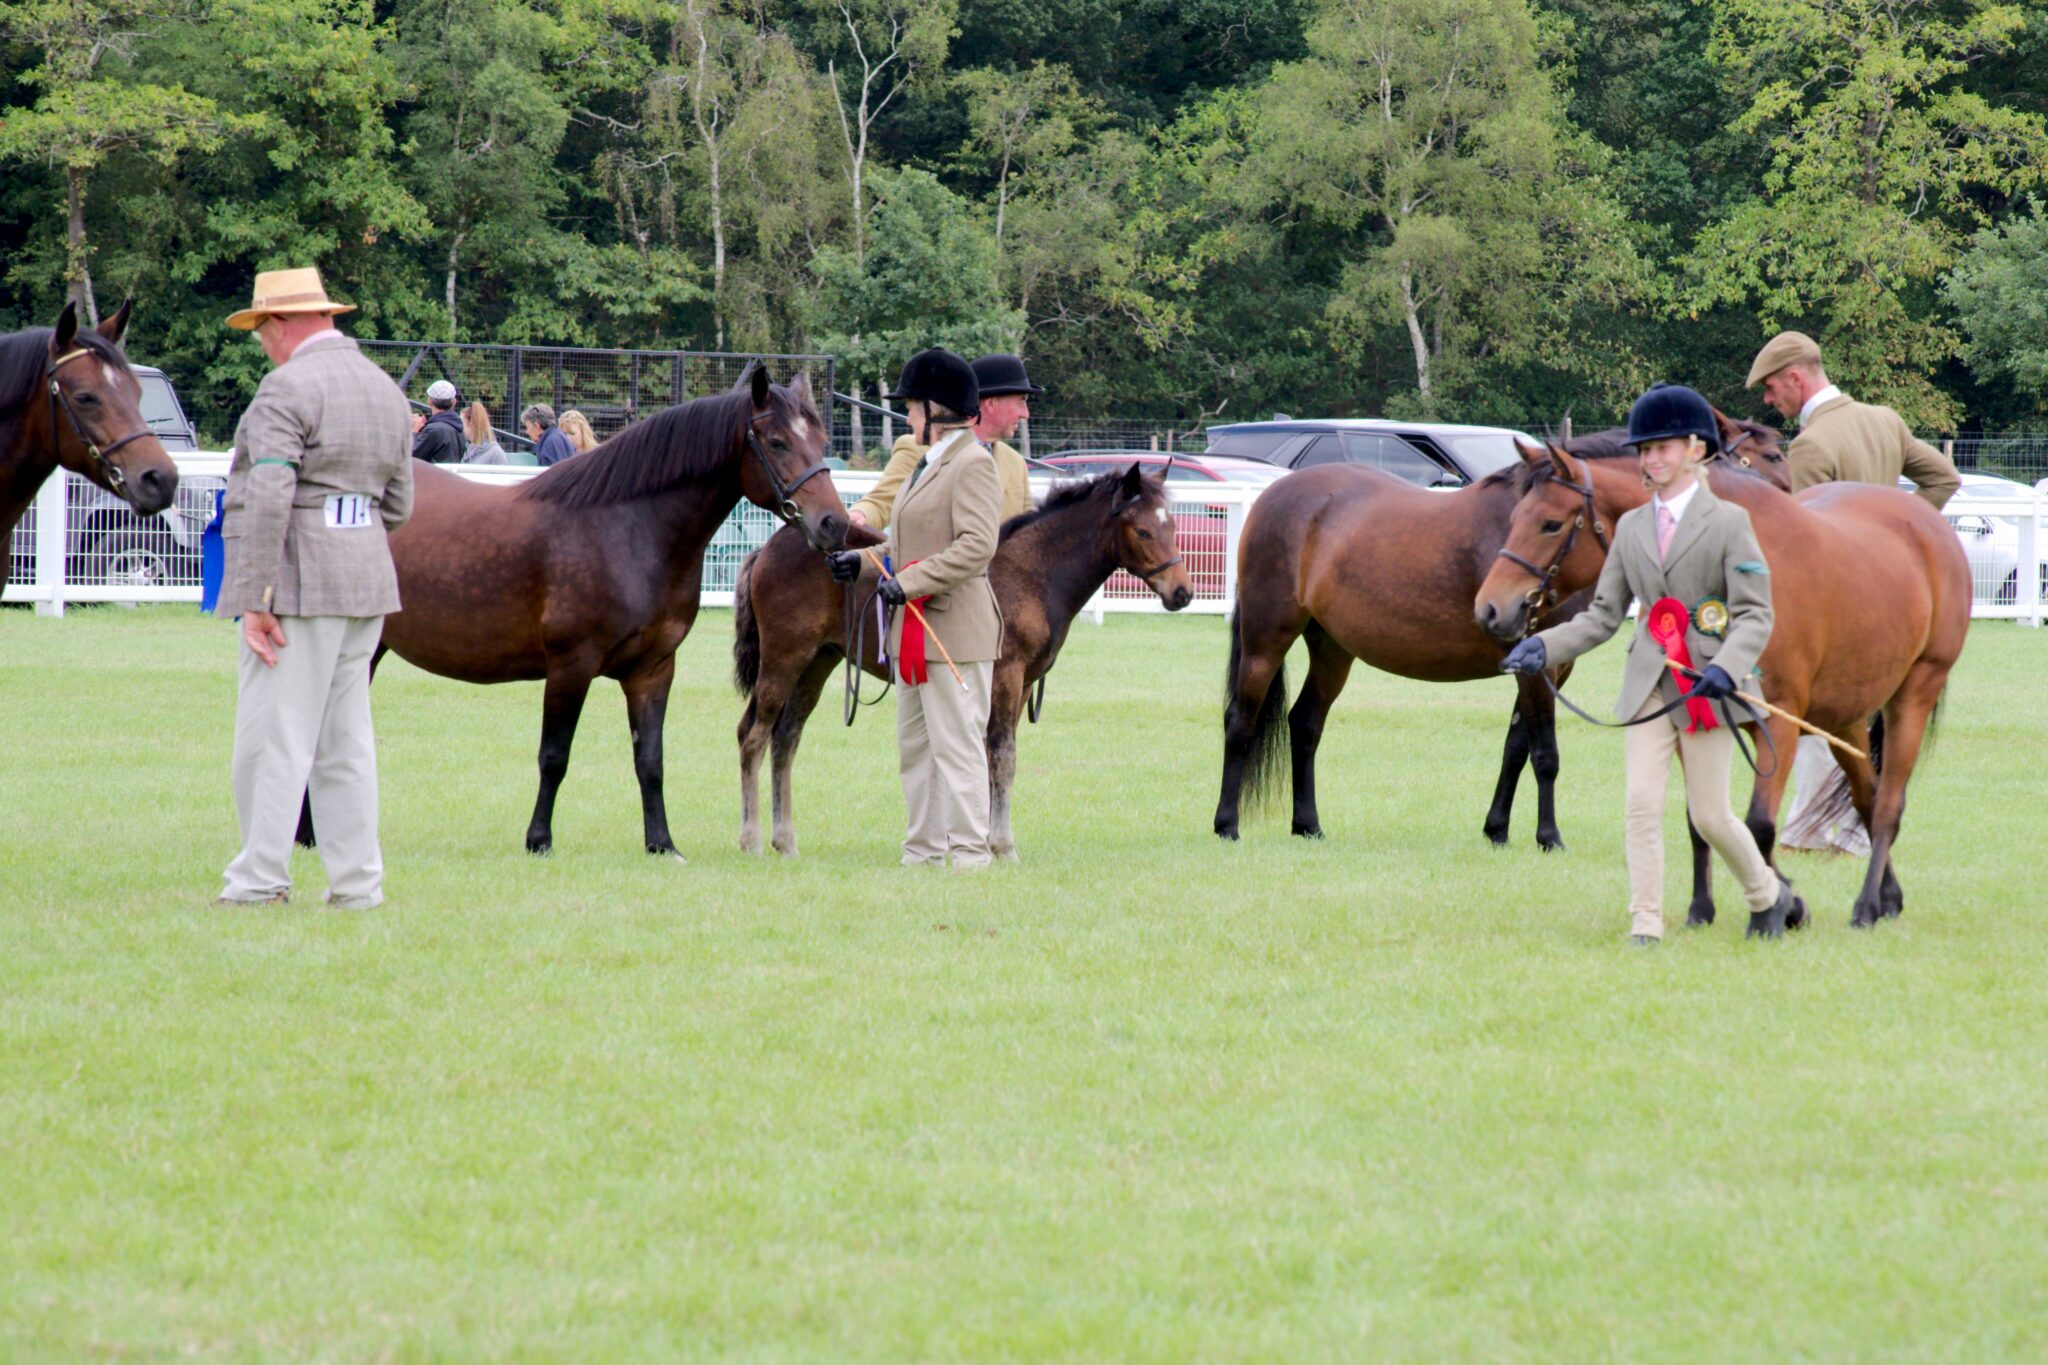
x=883 y=569
x=1842 y=744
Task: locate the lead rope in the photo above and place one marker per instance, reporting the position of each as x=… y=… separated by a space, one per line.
x=854 y=627
x=1742 y=745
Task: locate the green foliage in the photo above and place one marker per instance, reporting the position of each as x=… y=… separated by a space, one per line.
x=1998 y=293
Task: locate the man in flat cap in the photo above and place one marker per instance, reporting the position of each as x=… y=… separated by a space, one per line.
x=322 y=471
x=1839 y=441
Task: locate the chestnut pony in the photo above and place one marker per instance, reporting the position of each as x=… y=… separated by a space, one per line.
x=790 y=623
x=593 y=567
x=1360 y=565
x=1871 y=597
x=68 y=399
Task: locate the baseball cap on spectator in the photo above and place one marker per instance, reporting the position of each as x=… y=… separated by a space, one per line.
x=440 y=391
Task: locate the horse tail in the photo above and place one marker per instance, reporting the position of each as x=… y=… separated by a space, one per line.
x=746 y=632
x=1266 y=764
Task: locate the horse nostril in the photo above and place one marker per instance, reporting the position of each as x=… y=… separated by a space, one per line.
x=150 y=483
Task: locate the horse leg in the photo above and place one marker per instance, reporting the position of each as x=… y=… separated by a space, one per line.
x=1514 y=754
x=788 y=732
x=305 y=838
x=561 y=708
x=1257 y=688
x=1329 y=664
x=1543 y=758
x=1005 y=705
x=646 y=710
x=1701 y=912
x=757 y=724
x=1905 y=728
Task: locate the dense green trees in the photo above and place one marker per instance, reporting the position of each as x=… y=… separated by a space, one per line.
x=1492 y=209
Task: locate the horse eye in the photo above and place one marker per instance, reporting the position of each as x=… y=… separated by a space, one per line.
x=778 y=443
x=1551 y=528
x=1144 y=534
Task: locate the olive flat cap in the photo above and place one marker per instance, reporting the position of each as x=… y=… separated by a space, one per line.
x=1786 y=348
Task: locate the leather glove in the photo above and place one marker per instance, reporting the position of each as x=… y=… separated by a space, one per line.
x=1713 y=683
x=892 y=592
x=1527 y=657
x=845 y=565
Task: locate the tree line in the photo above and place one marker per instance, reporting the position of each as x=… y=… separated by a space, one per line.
x=1486 y=210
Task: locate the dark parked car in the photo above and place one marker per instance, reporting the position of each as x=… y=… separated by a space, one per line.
x=1428 y=454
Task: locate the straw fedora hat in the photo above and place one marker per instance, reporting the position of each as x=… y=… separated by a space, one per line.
x=280 y=293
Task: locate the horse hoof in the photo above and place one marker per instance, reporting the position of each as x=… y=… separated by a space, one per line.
x=1308 y=831
x=540 y=845
x=1497 y=835
x=1863 y=919
x=1699 y=916
x=1551 y=843
x=1795 y=918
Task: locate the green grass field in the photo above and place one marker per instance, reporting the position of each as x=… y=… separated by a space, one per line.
x=1143 y=1096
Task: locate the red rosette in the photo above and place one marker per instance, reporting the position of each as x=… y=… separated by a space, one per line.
x=1666 y=621
x=910 y=657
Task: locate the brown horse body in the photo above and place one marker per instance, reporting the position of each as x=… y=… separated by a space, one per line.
x=1360 y=565
x=103 y=436
x=790 y=628
x=1871 y=597
x=593 y=568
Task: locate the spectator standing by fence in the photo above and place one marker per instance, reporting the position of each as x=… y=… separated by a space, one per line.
x=483 y=447
x=321 y=473
x=439 y=440
x=550 y=446
x=576 y=427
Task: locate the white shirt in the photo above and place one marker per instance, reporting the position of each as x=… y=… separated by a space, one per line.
x=1826 y=395
x=320 y=335
x=1677 y=505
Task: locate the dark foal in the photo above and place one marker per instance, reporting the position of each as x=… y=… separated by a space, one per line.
x=1360 y=565
x=790 y=623
x=593 y=568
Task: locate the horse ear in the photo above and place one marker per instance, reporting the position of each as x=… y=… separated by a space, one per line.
x=760 y=385
x=800 y=387
x=1134 y=484
x=1562 y=463
x=1531 y=454
x=67 y=328
x=114 y=327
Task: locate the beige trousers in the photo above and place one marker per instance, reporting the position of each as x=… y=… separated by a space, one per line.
x=302 y=728
x=942 y=740
x=1706 y=757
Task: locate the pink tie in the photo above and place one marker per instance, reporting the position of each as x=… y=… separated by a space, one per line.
x=1667 y=527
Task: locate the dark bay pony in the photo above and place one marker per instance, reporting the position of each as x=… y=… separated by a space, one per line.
x=68 y=398
x=1360 y=565
x=592 y=568
x=790 y=621
x=1870 y=592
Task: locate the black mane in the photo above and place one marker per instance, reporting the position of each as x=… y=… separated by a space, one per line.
x=25 y=360
x=690 y=441
x=1061 y=495
x=1602 y=445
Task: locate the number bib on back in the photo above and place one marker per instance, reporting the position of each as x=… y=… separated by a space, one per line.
x=348 y=511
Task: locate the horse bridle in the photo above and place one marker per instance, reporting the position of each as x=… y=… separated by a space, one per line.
x=785 y=509
x=1544 y=595
x=99 y=454
x=1146 y=576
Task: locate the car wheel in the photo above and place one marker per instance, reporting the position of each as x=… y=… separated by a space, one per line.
x=128 y=559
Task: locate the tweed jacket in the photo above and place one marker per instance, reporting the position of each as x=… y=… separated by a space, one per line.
x=324 y=425
x=880 y=501
x=1713 y=554
x=1850 y=442
x=940 y=544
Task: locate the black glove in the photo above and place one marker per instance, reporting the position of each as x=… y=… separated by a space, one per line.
x=845 y=565
x=1527 y=657
x=1713 y=683
x=892 y=592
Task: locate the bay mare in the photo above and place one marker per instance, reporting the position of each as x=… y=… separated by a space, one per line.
x=791 y=628
x=1361 y=565
x=1870 y=594
x=593 y=567
x=92 y=426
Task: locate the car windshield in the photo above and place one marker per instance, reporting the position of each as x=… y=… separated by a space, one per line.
x=159 y=408
x=1249 y=445
x=1482 y=452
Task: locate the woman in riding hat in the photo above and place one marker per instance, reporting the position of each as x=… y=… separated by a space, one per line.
x=941 y=538
x=1006 y=394
x=1693 y=562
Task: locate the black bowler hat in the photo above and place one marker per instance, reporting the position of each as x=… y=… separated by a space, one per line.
x=1003 y=374
x=939 y=376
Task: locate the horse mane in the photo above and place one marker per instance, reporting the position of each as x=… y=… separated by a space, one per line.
x=1601 y=445
x=25 y=360
x=689 y=441
x=1058 y=497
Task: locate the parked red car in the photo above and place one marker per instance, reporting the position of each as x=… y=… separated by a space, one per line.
x=1200 y=535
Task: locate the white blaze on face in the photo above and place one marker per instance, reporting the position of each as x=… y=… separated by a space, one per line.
x=113 y=374
x=803 y=428
x=1165 y=519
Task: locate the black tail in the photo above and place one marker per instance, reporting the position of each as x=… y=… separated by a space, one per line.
x=1266 y=764
x=746 y=635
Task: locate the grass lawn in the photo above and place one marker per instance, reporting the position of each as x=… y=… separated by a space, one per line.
x=1390 y=1095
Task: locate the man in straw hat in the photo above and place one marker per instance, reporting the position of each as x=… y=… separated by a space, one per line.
x=322 y=471
x=1844 y=441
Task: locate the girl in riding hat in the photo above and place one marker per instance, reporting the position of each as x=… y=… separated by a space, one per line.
x=941 y=538
x=1693 y=562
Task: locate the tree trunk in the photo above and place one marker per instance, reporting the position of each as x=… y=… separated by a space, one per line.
x=77 y=262
x=717 y=250
x=1002 y=199
x=1412 y=311
x=888 y=427
x=454 y=259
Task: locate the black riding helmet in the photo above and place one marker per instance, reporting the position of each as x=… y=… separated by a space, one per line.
x=939 y=376
x=1003 y=374
x=1673 y=410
